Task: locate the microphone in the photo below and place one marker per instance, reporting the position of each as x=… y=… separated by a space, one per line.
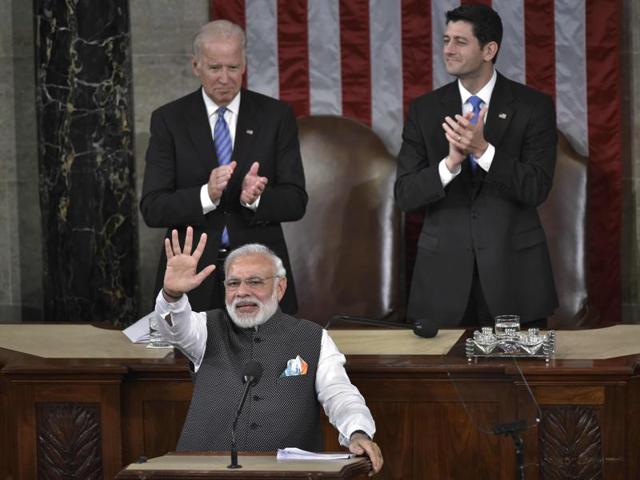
x=420 y=327
x=251 y=374
x=424 y=329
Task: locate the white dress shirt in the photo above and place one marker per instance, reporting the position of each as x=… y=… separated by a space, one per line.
x=342 y=402
x=231 y=117
x=485 y=160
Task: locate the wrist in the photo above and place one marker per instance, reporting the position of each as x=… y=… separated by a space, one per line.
x=170 y=296
x=478 y=153
x=451 y=165
x=359 y=432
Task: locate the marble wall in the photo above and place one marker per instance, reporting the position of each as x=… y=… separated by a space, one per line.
x=86 y=159
x=161 y=37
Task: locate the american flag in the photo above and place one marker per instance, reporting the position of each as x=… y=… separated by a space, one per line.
x=366 y=59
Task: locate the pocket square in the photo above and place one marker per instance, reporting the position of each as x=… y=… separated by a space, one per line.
x=295 y=366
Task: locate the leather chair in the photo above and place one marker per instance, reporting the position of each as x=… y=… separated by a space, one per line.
x=345 y=252
x=563 y=216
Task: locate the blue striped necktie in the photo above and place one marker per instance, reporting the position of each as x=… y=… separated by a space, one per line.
x=222 y=141
x=475 y=103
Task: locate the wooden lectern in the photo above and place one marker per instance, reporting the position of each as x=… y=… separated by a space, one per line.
x=79 y=402
x=254 y=466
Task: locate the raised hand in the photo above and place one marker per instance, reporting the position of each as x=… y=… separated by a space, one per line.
x=252 y=185
x=181 y=276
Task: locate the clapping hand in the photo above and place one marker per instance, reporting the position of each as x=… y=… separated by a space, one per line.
x=465 y=137
x=252 y=185
x=181 y=276
x=219 y=179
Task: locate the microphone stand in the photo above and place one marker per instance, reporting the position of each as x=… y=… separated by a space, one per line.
x=234 y=447
x=513 y=430
x=382 y=322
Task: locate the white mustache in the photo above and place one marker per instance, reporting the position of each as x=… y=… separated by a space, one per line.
x=242 y=302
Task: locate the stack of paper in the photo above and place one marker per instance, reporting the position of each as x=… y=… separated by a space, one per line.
x=139 y=331
x=298 y=454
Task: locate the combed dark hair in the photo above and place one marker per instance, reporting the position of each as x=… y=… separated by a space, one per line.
x=486 y=23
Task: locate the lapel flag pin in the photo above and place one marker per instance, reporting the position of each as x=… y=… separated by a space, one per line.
x=502 y=115
x=249 y=132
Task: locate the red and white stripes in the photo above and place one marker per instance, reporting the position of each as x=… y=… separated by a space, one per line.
x=366 y=59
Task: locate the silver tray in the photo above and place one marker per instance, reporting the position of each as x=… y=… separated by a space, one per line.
x=531 y=343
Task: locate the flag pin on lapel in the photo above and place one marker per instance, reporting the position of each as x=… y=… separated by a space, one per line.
x=502 y=115
x=249 y=132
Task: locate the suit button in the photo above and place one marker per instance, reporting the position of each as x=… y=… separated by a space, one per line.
x=257 y=398
x=253 y=426
x=474 y=214
x=257 y=339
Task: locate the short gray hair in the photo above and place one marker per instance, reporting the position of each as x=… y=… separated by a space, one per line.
x=256 y=249
x=218 y=29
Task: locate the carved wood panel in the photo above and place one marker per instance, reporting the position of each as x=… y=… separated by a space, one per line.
x=570 y=443
x=69 y=441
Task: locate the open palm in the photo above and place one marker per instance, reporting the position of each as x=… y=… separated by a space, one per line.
x=181 y=275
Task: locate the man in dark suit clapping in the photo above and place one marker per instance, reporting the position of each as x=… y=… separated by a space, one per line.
x=479 y=155
x=225 y=160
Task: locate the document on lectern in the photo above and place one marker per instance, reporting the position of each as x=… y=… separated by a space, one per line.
x=138 y=332
x=299 y=454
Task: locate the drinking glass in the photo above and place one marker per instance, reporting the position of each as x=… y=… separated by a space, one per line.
x=507 y=325
x=156 y=340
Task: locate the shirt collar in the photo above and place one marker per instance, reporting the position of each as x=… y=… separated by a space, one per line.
x=212 y=107
x=484 y=93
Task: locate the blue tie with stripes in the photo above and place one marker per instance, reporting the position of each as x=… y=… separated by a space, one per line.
x=222 y=141
x=475 y=103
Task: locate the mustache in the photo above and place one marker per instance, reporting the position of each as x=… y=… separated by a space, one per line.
x=241 y=302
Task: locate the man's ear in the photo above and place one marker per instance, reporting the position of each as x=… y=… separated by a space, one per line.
x=194 y=65
x=490 y=50
x=281 y=287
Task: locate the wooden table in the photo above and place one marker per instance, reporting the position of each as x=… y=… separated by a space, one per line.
x=432 y=413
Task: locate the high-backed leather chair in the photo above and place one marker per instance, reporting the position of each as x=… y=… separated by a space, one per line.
x=563 y=216
x=345 y=252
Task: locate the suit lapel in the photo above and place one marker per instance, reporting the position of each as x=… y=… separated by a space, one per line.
x=500 y=111
x=450 y=98
x=246 y=132
x=200 y=131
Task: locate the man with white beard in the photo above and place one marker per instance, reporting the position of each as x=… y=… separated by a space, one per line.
x=302 y=367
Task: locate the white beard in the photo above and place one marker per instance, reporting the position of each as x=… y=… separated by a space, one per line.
x=250 y=320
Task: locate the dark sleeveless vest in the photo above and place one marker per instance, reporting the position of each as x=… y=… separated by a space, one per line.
x=279 y=411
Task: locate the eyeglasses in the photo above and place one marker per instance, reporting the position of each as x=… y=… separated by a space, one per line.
x=252 y=283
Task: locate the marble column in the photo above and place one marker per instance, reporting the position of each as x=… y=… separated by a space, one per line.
x=87 y=178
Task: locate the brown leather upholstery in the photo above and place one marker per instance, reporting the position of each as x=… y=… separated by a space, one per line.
x=345 y=252
x=564 y=219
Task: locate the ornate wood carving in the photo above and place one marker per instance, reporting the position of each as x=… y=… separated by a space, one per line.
x=68 y=442
x=570 y=443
